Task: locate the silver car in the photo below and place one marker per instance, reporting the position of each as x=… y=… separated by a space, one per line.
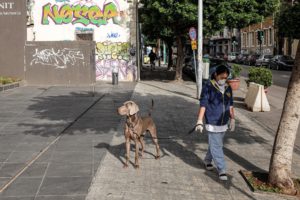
x=263 y=60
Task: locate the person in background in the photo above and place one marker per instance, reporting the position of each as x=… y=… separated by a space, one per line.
x=216 y=107
x=152 y=57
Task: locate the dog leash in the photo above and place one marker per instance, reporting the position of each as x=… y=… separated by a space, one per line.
x=192 y=130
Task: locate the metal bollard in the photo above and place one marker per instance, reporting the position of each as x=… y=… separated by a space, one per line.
x=115 y=78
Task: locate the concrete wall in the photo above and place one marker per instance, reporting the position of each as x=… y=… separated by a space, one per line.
x=12 y=37
x=60 y=63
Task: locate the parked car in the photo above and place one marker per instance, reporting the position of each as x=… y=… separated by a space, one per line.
x=251 y=59
x=282 y=62
x=241 y=58
x=244 y=59
x=219 y=56
x=232 y=56
x=263 y=60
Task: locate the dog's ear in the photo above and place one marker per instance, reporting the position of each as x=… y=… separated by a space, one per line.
x=133 y=108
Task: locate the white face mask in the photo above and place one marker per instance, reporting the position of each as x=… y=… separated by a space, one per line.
x=221 y=82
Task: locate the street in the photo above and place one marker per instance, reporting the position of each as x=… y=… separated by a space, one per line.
x=280 y=78
x=276 y=96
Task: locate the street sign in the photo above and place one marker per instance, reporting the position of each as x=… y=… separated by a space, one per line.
x=194 y=44
x=193 y=33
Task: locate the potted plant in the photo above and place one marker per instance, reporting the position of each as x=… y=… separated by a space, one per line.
x=260 y=76
x=234 y=81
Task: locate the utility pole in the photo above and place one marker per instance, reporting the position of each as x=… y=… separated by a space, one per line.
x=200 y=45
x=138 y=42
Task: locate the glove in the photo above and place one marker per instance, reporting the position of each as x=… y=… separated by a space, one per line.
x=232 y=125
x=199 y=126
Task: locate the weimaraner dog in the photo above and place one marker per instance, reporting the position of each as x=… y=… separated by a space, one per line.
x=135 y=129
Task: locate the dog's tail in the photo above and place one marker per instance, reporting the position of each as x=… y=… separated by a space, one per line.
x=151 y=109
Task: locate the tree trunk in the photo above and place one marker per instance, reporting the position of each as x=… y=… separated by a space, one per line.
x=170 y=59
x=179 y=62
x=281 y=160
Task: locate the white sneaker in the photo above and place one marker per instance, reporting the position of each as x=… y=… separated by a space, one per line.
x=208 y=166
x=223 y=177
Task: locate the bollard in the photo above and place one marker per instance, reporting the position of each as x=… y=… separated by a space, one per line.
x=115 y=78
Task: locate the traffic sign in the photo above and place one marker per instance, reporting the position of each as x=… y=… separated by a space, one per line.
x=194 y=44
x=193 y=33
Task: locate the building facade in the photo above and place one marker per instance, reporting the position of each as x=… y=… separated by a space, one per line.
x=224 y=42
x=111 y=24
x=270 y=41
x=249 y=38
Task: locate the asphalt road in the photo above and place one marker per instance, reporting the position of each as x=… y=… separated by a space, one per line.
x=280 y=78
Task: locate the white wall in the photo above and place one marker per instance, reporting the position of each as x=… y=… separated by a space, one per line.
x=58 y=20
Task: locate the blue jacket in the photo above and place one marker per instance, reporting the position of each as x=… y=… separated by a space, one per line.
x=217 y=105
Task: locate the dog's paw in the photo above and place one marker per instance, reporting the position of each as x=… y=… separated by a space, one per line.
x=157 y=157
x=125 y=166
x=136 y=166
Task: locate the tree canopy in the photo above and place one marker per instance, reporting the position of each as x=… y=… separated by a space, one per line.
x=288 y=20
x=168 y=17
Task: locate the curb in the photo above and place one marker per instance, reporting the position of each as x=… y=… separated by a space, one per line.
x=9 y=86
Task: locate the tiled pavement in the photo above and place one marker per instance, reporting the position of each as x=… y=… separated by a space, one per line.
x=32 y=117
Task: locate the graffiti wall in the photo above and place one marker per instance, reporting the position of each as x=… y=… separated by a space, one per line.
x=103 y=21
x=60 y=63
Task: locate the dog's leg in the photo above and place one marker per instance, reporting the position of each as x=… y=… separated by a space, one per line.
x=153 y=133
x=141 y=140
x=127 y=143
x=136 y=153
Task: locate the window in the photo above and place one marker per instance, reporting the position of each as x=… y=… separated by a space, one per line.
x=252 y=39
x=270 y=37
x=84 y=36
x=265 y=37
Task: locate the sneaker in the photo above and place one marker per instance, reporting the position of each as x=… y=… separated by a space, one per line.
x=223 y=177
x=208 y=166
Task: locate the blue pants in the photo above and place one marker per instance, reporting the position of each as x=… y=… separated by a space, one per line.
x=215 y=151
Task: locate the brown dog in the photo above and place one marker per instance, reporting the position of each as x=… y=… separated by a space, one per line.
x=135 y=129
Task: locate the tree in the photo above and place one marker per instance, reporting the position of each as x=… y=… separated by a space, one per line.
x=281 y=160
x=175 y=17
x=169 y=20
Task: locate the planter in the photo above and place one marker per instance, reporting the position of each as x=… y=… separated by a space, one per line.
x=234 y=83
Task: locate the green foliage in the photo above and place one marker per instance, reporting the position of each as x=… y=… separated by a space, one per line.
x=288 y=20
x=167 y=18
x=260 y=76
x=235 y=13
x=6 y=80
x=236 y=71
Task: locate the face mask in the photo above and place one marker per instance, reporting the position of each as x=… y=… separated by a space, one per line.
x=222 y=82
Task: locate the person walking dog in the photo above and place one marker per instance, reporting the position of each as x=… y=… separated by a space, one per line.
x=216 y=107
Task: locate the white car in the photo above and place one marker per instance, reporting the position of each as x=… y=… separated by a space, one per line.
x=232 y=56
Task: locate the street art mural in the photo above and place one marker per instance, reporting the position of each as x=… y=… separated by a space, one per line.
x=115 y=56
x=80 y=14
x=60 y=59
x=106 y=20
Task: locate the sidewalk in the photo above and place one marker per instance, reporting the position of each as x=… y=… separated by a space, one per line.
x=180 y=173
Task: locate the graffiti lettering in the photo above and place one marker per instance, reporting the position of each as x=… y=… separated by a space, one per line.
x=113 y=35
x=79 y=14
x=114 y=54
x=60 y=58
x=113 y=50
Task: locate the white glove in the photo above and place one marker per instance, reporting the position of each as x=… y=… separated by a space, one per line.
x=232 y=125
x=199 y=126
